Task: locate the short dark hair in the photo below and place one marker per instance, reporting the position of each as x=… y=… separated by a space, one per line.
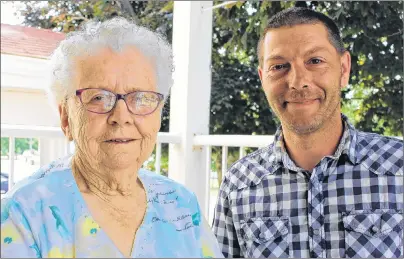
x=300 y=15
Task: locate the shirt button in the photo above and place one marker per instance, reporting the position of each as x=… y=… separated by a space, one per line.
x=262 y=235
x=316 y=232
x=375 y=229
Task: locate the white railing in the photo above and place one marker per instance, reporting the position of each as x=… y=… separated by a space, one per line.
x=55 y=141
x=226 y=141
x=28 y=131
x=164 y=137
x=52 y=143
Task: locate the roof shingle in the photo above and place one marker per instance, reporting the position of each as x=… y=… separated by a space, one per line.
x=29 y=41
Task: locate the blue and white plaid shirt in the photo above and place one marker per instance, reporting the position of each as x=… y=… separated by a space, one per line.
x=350 y=205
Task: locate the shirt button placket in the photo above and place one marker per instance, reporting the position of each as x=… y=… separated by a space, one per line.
x=316 y=217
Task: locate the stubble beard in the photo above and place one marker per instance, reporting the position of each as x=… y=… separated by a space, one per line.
x=314 y=123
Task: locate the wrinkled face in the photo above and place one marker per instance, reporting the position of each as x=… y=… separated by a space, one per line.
x=302 y=75
x=116 y=139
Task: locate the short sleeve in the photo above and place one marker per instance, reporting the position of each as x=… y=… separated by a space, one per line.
x=16 y=236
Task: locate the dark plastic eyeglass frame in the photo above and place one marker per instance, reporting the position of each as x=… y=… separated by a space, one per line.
x=119 y=97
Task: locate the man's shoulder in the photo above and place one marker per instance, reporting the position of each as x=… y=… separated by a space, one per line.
x=366 y=138
x=251 y=169
x=380 y=154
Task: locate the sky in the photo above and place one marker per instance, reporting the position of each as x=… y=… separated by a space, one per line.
x=7 y=13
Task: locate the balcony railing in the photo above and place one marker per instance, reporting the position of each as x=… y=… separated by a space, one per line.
x=52 y=144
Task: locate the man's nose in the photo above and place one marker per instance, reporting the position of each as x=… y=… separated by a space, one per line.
x=299 y=77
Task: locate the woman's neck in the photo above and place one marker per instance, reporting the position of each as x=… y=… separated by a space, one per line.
x=92 y=177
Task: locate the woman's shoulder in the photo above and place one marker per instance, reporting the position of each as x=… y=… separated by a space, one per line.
x=43 y=183
x=159 y=186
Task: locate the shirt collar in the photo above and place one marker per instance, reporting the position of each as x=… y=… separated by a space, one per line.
x=347 y=146
x=348 y=143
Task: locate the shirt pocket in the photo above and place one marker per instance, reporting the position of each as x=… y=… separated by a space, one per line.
x=373 y=234
x=266 y=237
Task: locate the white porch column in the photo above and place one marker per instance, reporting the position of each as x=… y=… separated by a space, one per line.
x=190 y=95
x=51 y=149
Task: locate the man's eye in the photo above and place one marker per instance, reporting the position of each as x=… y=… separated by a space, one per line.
x=278 y=67
x=315 y=61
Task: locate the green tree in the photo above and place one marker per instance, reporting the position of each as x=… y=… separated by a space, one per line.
x=375 y=95
x=373 y=34
x=4 y=146
x=20 y=144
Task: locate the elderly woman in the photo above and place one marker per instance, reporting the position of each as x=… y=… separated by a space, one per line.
x=110 y=81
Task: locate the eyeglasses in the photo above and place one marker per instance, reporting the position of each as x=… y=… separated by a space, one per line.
x=103 y=101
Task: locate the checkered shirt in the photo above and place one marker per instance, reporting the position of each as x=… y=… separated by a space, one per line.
x=350 y=205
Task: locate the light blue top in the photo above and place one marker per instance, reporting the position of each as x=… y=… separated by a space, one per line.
x=45 y=216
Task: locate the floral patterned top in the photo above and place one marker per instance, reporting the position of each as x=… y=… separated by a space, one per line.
x=46 y=216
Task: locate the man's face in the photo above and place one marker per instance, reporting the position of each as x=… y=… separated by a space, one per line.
x=302 y=75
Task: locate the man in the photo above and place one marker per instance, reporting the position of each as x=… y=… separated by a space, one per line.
x=322 y=189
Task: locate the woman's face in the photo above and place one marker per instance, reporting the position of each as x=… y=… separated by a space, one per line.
x=117 y=139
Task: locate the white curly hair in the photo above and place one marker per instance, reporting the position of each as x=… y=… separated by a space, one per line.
x=116 y=33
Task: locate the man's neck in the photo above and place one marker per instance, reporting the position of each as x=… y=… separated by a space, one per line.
x=307 y=150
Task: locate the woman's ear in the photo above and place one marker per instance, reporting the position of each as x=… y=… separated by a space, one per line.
x=64 y=121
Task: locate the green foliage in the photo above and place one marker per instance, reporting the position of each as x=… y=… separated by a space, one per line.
x=372 y=32
x=4 y=146
x=150 y=164
x=21 y=144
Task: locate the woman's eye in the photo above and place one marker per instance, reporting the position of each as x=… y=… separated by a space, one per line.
x=145 y=101
x=98 y=98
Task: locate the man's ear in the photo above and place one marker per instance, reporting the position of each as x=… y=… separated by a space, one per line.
x=345 y=68
x=64 y=121
x=260 y=73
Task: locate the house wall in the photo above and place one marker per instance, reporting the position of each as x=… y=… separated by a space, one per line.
x=27 y=108
x=23 y=96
